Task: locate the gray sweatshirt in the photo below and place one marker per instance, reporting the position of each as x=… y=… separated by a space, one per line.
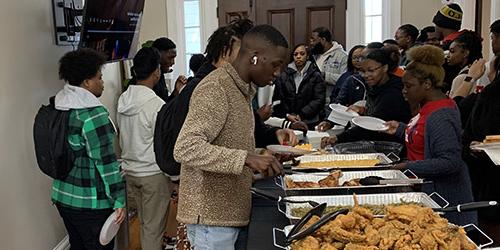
x=137 y=111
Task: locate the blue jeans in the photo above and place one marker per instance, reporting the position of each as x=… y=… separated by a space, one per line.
x=203 y=237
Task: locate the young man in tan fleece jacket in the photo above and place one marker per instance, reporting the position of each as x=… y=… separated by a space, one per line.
x=218 y=155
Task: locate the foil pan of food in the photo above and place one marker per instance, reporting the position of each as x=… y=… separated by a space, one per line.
x=341 y=161
x=374 y=202
x=403 y=227
x=339 y=182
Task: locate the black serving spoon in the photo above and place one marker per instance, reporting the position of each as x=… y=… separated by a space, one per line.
x=467 y=206
x=315 y=226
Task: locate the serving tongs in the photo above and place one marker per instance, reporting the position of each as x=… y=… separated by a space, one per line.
x=296 y=234
x=471 y=206
x=377 y=180
x=274 y=197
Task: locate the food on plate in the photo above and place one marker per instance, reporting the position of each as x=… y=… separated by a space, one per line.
x=405 y=226
x=492 y=139
x=304 y=146
x=340 y=163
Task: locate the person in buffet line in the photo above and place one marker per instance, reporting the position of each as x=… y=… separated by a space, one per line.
x=384 y=97
x=94 y=186
x=218 y=156
x=432 y=137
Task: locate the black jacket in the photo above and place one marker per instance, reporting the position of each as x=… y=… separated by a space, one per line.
x=307 y=101
x=385 y=102
x=484 y=120
x=353 y=90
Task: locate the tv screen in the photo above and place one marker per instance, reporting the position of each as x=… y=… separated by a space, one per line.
x=112 y=27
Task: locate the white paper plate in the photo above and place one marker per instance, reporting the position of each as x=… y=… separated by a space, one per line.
x=342 y=110
x=370 y=123
x=287 y=150
x=340 y=115
x=109 y=230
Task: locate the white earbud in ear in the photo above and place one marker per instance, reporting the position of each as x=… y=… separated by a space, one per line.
x=254 y=60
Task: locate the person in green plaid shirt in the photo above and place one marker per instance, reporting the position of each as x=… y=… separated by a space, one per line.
x=94 y=187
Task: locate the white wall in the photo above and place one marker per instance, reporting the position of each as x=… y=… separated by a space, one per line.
x=419 y=13
x=28 y=76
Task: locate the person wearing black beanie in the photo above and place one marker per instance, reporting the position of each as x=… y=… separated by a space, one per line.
x=448 y=21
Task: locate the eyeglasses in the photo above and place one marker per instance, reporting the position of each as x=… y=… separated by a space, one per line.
x=358 y=58
x=370 y=71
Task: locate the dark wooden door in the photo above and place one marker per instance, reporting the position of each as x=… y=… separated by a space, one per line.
x=294 y=18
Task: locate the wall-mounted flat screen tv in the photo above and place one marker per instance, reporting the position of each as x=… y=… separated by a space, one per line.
x=112 y=27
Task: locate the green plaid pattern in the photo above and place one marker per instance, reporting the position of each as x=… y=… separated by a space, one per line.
x=95 y=181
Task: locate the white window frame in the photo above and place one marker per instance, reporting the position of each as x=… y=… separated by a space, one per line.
x=175 y=29
x=355 y=26
x=186 y=66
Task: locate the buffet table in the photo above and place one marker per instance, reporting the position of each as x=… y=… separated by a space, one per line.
x=264 y=218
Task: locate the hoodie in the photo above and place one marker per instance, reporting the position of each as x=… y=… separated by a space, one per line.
x=137 y=110
x=333 y=63
x=74 y=97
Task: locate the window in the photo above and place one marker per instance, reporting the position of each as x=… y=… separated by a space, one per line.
x=373 y=20
x=192 y=31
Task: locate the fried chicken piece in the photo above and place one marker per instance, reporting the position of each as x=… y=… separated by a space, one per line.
x=389 y=235
x=300 y=184
x=342 y=235
x=354 y=246
x=372 y=236
x=327 y=246
x=338 y=245
x=378 y=223
x=403 y=242
x=399 y=225
x=308 y=243
x=428 y=242
x=440 y=237
x=361 y=222
x=406 y=213
x=348 y=221
x=332 y=180
x=386 y=243
x=351 y=183
x=365 y=212
x=454 y=244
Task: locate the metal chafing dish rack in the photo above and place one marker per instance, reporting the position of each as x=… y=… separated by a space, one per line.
x=346 y=176
x=285 y=231
x=368 y=199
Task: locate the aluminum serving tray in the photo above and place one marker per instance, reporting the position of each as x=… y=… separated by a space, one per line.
x=369 y=199
x=346 y=176
x=342 y=157
x=286 y=230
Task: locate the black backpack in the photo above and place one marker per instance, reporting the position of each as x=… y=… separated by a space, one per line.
x=50 y=134
x=165 y=136
x=168 y=125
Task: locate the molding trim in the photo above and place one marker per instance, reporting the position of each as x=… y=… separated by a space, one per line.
x=63 y=244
